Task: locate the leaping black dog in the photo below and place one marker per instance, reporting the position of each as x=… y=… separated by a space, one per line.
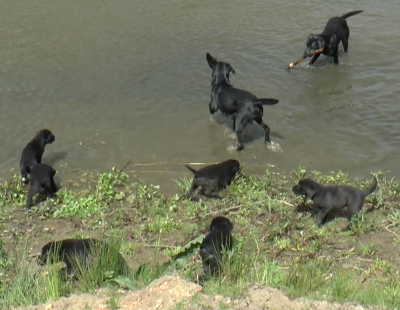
x=242 y=106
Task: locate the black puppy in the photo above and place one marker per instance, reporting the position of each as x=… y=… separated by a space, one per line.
x=73 y=251
x=243 y=106
x=42 y=181
x=33 y=152
x=219 y=238
x=334 y=197
x=213 y=178
x=336 y=31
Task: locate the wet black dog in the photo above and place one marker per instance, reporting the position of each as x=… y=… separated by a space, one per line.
x=75 y=253
x=243 y=106
x=336 y=31
x=42 y=181
x=329 y=198
x=33 y=152
x=219 y=238
x=213 y=178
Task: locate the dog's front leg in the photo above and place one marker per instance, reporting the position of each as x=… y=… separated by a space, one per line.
x=234 y=123
x=321 y=216
x=313 y=59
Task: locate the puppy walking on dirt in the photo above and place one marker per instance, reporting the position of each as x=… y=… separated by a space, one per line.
x=242 y=106
x=332 y=197
x=327 y=43
x=33 y=152
x=213 y=178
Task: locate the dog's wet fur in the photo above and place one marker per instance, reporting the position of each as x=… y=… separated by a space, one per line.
x=211 y=179
x=240 y=105
x=33 y=152
x=70 y=251
x=336 y=31
x=219 y=238
x=41 y=181
x=333 y=197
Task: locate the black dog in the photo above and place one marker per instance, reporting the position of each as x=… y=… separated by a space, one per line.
x=213 y=178
x=75 y=251
x=33 y=152
x=42 y=181
x=336 y=31
x=243 y=106
x=219 y=238
x=329 y=198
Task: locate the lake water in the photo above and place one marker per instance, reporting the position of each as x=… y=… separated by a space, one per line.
x=127 y=80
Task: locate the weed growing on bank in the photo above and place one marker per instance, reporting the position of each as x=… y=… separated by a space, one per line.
x=276 y=240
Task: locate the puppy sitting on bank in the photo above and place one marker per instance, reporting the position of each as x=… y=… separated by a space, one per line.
x=332 y=197
x=42 y=181
x=327 y=43
x=219 y=238
x=33 y=152
x=77 y=251
x=213 y=178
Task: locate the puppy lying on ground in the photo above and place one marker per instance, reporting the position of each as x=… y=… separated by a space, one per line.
x=33 y=152
x=242 y=106
x=71 y=250
x=42 y=181
x=332 y=197
x=219 y=238
x=213 y=178
x=336 y=31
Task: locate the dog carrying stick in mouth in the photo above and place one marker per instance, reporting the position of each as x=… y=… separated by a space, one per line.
x=327 y=43
x=333 y=197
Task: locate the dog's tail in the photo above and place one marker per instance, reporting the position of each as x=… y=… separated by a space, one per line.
x=269 y=101
x=191 y=169
x=351 y=14
x=372 y=188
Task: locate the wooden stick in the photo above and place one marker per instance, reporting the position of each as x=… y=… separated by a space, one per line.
x=392 y=232
x=319 y=51
x=212 y=213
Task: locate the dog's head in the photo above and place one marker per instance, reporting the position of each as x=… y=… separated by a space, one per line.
x=45 y=136
x=305 y=187
x=234 y=166
x=221 y=222
x=221 y=70
x=49 y=253
x=317 y=42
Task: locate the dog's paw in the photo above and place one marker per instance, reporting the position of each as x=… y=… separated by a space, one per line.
x=273 y=146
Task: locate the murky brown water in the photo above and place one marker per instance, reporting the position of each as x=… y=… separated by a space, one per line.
x=128 y=80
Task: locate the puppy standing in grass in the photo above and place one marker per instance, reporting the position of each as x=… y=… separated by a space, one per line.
x=33 y=152
x=243 y=106
x=329 y=198
x=42 y=181
x=327 y=43
x=213 y=178
x=219 y=238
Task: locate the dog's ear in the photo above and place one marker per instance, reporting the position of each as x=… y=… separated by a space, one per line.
x=310 y=36
x=211 y=61
x=53 y=171
x=311 y=190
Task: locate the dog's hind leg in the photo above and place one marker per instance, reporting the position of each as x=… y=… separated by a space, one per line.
x=345 y=40
x=33 y=190
x=266 y=128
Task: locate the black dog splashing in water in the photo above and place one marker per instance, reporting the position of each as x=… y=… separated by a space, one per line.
x=242 y=106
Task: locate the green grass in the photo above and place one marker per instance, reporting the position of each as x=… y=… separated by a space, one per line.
x=277 y=243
